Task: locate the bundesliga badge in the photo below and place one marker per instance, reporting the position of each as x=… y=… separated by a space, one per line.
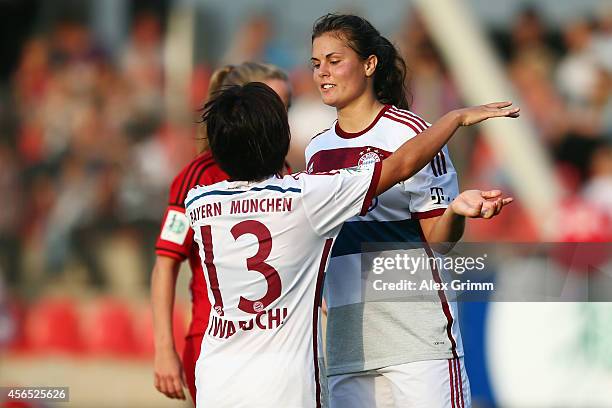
x=369 y=157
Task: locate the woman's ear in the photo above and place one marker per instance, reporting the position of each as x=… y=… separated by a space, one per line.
x=370 y=65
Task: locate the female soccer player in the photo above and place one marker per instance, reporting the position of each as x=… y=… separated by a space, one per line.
x=411 y=349
x=175 y=244
x=264 y=241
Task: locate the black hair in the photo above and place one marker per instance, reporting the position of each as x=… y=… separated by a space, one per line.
x=365 y=40
x=247 y=130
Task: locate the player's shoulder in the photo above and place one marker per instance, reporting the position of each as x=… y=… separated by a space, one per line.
x=404 y=119
x=292 y=182
x=203 y=190
x=282 y=184
x=202 y=169
x=326 y=139
x=197 y=162
x=299 y=182
x=324 y=135
x=322 y=176
x=327 y=131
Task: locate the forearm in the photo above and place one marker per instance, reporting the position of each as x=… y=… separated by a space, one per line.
x=418 y=151
x=163 y=283
x=444 y=231
x=414 y=154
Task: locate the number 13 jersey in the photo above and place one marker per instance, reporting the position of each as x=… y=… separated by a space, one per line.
x=264 y=248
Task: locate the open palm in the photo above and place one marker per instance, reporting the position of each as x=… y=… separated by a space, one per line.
x=480 y=204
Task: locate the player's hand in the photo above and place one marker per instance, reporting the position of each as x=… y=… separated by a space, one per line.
x=476 y=114
x=479 y=204
x=169 y=374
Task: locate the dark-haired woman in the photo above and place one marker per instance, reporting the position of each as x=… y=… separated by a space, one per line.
x=398 y=352
x=175 y=244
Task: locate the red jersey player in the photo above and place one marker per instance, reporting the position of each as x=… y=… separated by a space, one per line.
x=175 y=244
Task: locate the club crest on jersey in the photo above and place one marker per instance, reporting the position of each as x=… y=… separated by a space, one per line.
x=369 y=157
x=258 y=306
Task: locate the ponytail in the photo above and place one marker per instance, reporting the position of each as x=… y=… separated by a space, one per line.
x=390 y=75
x=217 y=79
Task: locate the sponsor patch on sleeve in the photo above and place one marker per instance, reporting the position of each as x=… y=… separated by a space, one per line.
x=175 y=228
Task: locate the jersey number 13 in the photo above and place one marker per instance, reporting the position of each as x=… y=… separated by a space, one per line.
x=256 y=263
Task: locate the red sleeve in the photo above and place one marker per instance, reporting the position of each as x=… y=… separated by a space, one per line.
x=428 y=214
x=213 y=174
x=176 y=237
x=183 y=182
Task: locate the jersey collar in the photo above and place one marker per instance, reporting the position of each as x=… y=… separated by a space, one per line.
x=348 y=135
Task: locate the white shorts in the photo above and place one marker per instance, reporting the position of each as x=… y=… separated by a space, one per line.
x=421 y=384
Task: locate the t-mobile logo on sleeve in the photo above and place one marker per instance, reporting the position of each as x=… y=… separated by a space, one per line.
x=437 y=194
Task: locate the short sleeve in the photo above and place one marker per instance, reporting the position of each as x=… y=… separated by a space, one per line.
x=332 y=198
x=175 y=238
x=433 y=188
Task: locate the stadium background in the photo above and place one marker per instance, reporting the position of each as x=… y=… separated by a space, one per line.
x=97 y=111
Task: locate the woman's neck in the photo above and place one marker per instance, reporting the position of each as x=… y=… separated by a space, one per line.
x=359 y=114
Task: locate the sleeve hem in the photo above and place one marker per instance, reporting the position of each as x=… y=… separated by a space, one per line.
x=428 y=214
x=177 y=207
x=170 y=254
x=372 y=189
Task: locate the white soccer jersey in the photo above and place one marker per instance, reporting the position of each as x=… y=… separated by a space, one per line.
x=396 y=332
x=264 y=247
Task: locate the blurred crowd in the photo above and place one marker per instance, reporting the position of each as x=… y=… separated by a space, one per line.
x=87 y=151
x=564 y=80
x=563 y=77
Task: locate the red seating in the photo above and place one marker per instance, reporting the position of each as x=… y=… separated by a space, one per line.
x=15 y=339
x=106 y=327
x=52 y=325
x=109 y=329
x=17 y=404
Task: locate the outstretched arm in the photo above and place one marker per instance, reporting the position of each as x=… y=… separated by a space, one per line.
x=413 y=155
